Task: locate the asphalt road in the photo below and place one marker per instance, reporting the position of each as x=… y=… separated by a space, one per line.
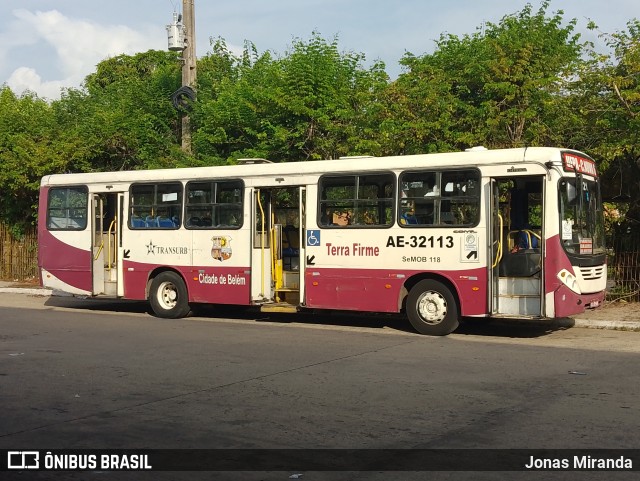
x=98 y=375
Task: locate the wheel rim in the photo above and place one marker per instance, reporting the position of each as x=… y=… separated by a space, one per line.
x=167 y=295
x=432 y=307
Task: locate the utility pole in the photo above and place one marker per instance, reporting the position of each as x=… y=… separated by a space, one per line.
x=189 y=64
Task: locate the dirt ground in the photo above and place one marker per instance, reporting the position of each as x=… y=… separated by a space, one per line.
x=618 y=310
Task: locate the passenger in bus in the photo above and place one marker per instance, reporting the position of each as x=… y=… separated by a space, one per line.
x=433 y=192
x=524 y=239
x=409 y=216
x=341 y=218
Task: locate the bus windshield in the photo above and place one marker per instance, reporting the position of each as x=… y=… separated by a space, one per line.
x=581 y=216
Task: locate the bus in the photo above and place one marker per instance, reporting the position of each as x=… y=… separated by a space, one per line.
x=510 y=233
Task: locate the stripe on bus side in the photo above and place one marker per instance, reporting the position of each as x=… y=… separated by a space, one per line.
x=378 y=290
x=206 y=284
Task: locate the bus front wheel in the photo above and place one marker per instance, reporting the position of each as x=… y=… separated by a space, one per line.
x=432 y=308
x=168 y=296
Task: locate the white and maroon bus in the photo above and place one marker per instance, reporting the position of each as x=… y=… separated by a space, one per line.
x=515 y=233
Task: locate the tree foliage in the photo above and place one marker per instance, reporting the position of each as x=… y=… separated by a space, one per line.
x=29 y=149
x=498 y=87
x=607 y=95
x=308 y=104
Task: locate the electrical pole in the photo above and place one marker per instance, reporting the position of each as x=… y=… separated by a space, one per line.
x=189 y=65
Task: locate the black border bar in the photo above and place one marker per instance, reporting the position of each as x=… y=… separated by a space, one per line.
x=324 y=459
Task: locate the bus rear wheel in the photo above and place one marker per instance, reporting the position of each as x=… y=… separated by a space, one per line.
x=168 y=296
x=432 y=308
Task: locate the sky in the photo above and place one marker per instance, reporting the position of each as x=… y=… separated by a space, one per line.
x=49 y=45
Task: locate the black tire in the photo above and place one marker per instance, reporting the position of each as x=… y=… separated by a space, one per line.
x=168 y=296
x=432 y=308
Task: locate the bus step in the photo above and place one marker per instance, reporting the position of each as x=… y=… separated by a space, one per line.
x=279 y=307
x=110 y=288
x=524 y=305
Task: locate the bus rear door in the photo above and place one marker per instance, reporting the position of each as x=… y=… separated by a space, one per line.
x=278 y=249
x=106 y=239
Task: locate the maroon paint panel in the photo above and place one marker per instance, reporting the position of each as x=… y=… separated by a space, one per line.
x=555 y=260
x=378 y=290
x=42 y=219
x=473 y=291
x=69 y=264
x=135 y=276
x=566 y=302
x=214 y=285
x=219 y=285
x=352 y=289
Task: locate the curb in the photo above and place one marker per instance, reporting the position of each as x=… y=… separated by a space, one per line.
x=612 y=325
x=27 y=291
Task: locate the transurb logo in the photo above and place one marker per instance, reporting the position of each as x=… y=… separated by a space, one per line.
x=221 y=248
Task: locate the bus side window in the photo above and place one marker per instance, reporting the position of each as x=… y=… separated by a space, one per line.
x=214 y=204
x=356 y=200
x=155 y=206
x=447 y=197
x=67 y=208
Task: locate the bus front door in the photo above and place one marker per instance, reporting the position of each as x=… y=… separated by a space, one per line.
x=106 y=243
x=517 y=247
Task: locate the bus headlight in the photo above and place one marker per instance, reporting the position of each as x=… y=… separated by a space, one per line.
x=569 y=280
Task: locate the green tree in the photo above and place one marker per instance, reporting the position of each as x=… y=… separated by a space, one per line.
x=607 y=98
x=29 y=149
x=324 y=96
x=496 y=87
x=124 y=118
x=309 y=104
x=232 y=112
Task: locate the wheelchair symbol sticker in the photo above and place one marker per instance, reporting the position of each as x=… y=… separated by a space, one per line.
x=313 y=238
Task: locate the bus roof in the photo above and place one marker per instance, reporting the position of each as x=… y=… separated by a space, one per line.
x=470 y=158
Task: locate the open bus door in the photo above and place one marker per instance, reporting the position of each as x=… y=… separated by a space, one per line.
x=278 y=250
x=107 y=243
x=261 y=246
x=517 y=246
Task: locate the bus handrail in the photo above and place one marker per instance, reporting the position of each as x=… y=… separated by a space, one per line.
x=529 y=233
x=109 y=262
x=110 y=252
x=97 y=256
x=500 y=242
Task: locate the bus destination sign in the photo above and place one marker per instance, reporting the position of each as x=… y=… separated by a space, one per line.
x=578 y=164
